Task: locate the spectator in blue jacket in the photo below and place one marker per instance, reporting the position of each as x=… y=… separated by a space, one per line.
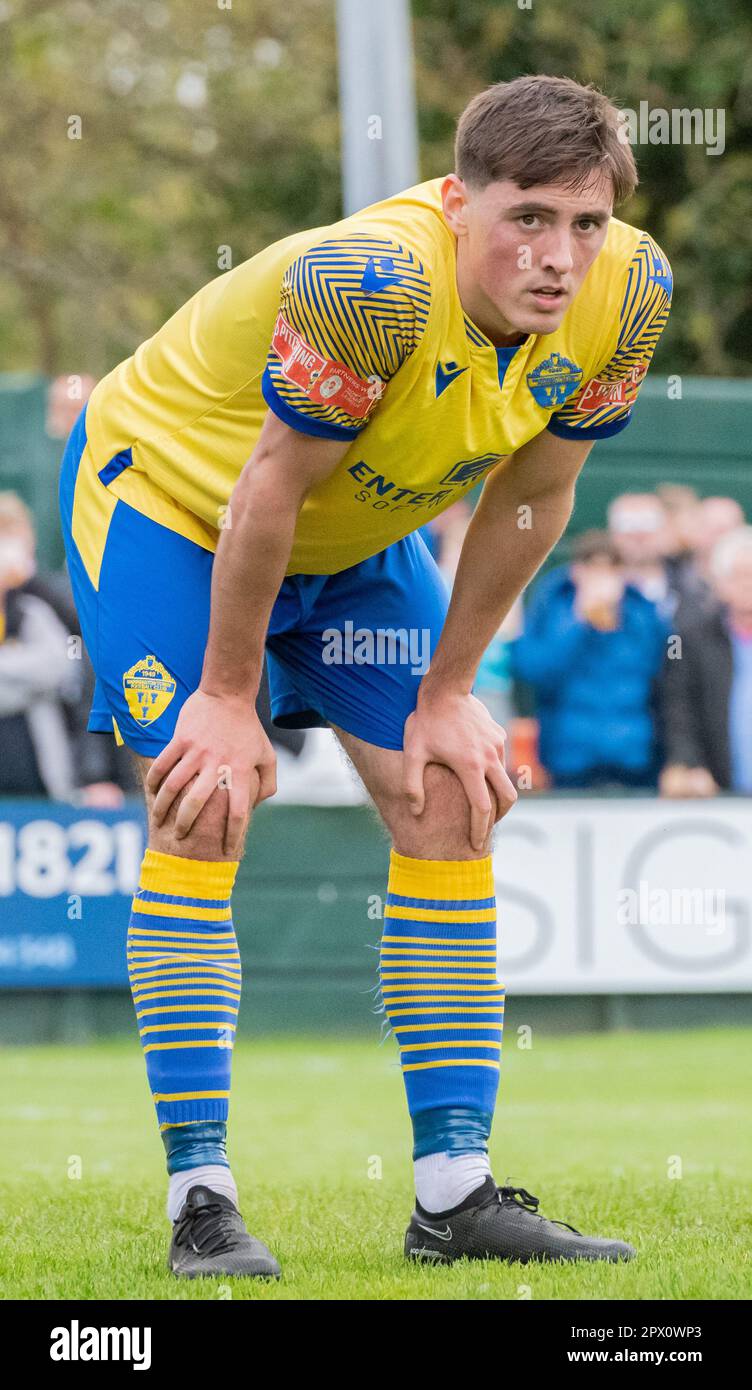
x=592 y=648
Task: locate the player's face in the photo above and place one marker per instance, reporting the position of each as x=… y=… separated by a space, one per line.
x=522 y=254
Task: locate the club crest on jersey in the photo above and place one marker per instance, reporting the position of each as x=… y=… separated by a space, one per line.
x=553 y=380
x=148 y=688
x=467 y=470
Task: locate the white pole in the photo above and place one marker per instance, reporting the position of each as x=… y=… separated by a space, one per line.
x=377 y=100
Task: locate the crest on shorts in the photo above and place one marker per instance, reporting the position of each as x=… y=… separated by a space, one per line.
x=148 y=688
x=553 y=380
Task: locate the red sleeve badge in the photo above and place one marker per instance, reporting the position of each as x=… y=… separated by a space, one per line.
x=599 y=392
x=324 y=382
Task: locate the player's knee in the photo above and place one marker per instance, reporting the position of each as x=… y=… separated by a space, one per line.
x=205 y=839
x=442 y=830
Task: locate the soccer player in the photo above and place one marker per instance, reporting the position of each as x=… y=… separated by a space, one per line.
x=253 y=479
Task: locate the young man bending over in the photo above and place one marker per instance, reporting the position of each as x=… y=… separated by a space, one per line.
x=255 y=476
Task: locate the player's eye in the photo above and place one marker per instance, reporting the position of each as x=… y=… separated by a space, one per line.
x=528 y=219
x=587 y=224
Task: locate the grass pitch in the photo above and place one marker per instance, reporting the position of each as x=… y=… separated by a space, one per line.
x=642 y=1136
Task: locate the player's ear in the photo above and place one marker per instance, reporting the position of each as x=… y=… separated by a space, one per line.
x=454 y=197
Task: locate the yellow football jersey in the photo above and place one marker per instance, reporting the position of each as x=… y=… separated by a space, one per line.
x=356 y=331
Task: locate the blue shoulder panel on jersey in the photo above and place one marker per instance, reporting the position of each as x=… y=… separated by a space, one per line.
x=352 y=310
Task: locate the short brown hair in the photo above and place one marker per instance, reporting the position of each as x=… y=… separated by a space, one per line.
x=543 y=130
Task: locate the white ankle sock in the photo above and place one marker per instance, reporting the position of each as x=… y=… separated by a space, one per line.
x=444 y=1180
x=212 y=1175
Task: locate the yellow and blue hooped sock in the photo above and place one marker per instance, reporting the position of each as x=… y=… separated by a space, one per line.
x=441 y=995
x=185 y=975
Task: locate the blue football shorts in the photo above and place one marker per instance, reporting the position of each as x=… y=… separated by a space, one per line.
x=348 y=649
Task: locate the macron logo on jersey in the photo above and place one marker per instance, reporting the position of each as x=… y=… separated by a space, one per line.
x=379 y=275
x=661 y=275
x=445 y=375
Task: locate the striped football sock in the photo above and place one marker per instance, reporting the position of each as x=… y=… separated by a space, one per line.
x=185 y=975
x=446 y=1007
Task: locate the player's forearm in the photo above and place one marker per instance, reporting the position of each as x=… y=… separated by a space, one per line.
x=250 y=565
x=499 y=557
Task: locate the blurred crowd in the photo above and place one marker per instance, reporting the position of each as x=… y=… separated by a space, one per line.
x=629 y=666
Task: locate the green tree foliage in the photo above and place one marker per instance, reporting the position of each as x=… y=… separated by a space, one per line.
x=672 y=54
x=202 y=128
x=208 y=124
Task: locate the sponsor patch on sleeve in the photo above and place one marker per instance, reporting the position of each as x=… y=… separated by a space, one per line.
x=324 y=382
x=599 y=392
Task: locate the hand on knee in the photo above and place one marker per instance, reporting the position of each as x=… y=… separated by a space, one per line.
x=442 y=830
x=205 y=839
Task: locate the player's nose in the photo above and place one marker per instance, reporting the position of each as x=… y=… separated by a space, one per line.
x=557 y=252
